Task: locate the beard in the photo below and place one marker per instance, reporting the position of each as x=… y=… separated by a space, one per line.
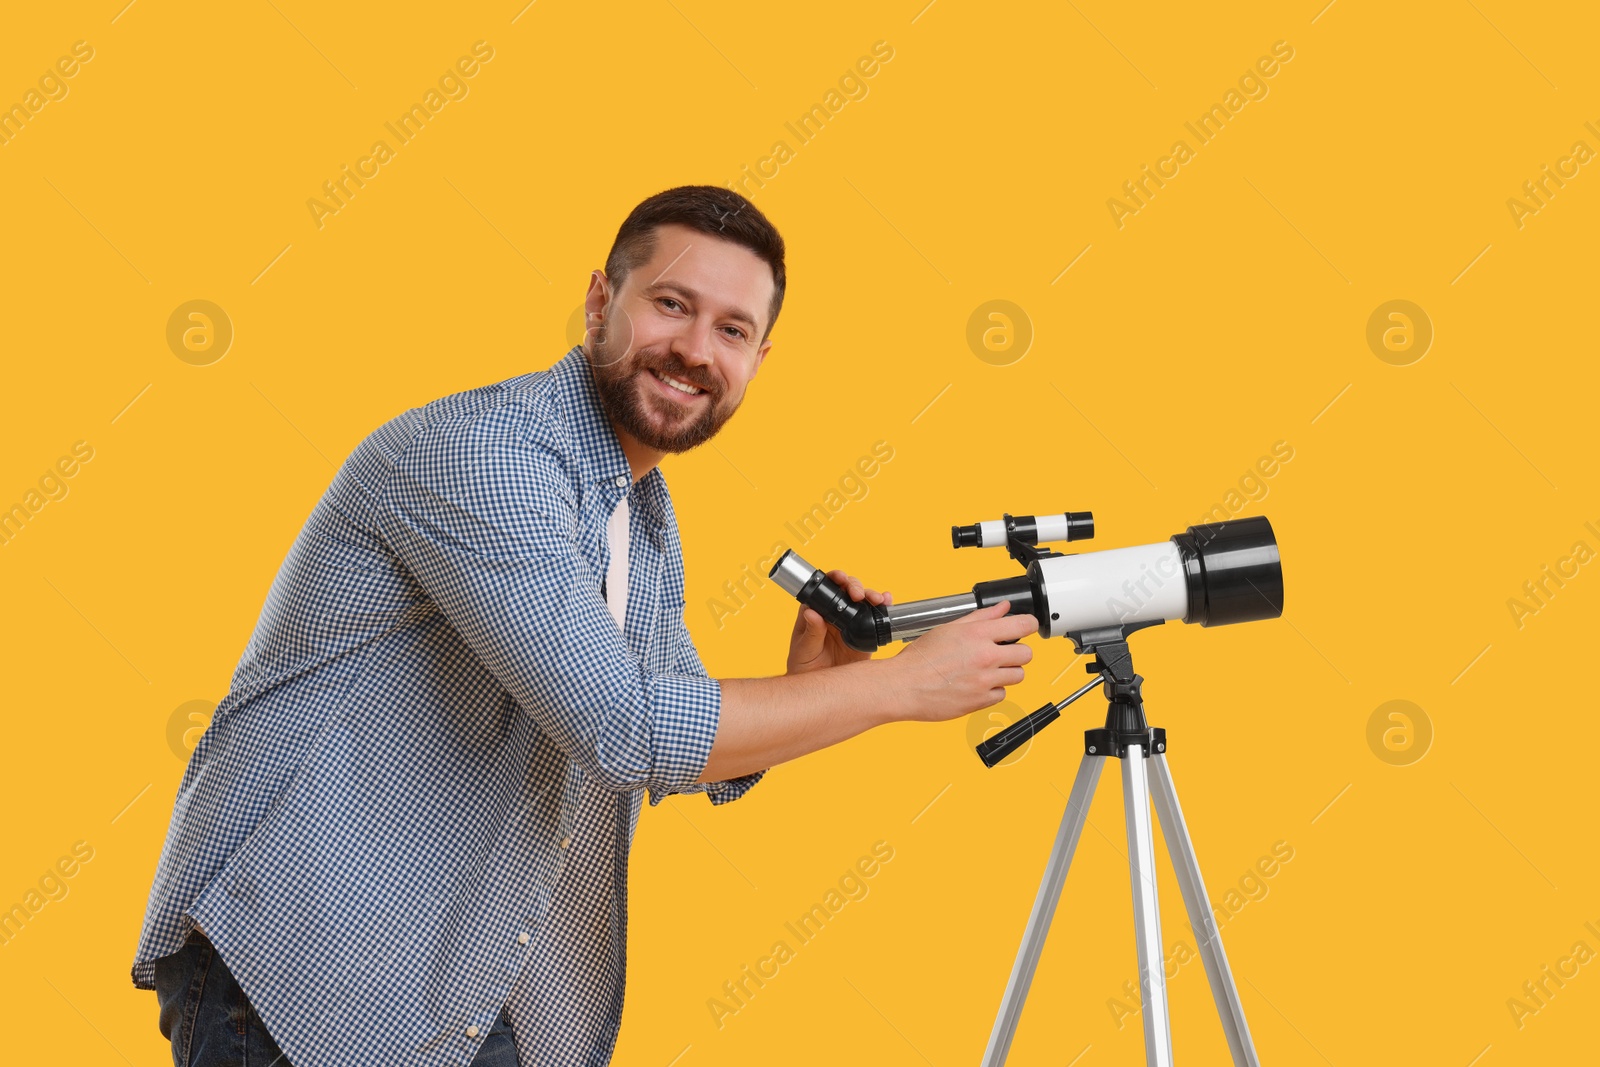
x=636 y=404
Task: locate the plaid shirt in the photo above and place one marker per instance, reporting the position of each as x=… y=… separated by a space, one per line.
x=436 y=717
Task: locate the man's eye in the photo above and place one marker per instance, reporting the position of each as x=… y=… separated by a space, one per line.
x=736 y=332
x=667 y=300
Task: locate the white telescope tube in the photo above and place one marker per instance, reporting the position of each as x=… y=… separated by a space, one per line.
x=1114 y=586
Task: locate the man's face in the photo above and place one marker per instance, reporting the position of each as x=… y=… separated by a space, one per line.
x=694 y=313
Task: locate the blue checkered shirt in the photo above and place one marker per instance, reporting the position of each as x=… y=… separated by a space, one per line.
x=413 y=808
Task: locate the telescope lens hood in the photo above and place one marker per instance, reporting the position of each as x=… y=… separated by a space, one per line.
x=1233 y=571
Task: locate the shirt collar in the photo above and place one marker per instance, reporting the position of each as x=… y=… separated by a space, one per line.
x=601 y=459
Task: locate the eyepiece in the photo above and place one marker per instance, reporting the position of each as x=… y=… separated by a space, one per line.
x=792 y=573
x=863 y=625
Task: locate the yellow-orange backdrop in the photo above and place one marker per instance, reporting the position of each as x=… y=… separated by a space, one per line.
x=1219 y=339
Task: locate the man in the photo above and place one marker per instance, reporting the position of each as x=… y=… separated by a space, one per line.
x=404 y=837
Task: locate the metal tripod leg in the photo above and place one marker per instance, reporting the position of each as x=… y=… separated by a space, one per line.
x=1044 y=907
x=1146 y=911
x=1187 y=868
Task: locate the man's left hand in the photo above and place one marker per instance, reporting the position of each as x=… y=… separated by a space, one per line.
x=814 y=644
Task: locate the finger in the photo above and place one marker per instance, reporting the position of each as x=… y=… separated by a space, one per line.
x=851 y=584
x=1010 y=633
x=1013 y=652
x=1005 y=676
x=858 y=590
x=1021 y=624
x=804 y=626
x=991 y=611
x=1009 y=676
x=1014 y=655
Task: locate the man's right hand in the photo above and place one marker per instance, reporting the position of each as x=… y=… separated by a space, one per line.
x=963 y=665
x=956 y=668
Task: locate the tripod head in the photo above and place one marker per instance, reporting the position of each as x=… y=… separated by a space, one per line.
x=1113 y=666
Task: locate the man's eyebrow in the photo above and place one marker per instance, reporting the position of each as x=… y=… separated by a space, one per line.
x=737 y=314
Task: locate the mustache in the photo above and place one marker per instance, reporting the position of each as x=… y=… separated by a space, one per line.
x=676 y=369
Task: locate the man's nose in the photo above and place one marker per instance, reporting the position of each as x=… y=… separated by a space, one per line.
x=692 y=344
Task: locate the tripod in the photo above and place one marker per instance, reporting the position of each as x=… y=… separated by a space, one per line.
x=1142 y=750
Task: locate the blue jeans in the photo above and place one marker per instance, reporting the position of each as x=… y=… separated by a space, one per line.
x=210 y=1023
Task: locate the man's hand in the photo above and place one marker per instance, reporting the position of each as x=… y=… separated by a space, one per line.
x=814 y=644
x=964 y=665
x=956 y=668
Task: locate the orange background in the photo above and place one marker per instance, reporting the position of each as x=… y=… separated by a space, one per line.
x=1140 y=370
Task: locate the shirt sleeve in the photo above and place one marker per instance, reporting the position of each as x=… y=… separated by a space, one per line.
x=480 y=508
x=687 y=662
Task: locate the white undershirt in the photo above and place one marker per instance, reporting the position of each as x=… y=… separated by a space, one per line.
x=617 y=571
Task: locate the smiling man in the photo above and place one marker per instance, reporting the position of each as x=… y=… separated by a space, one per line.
x=404 y=837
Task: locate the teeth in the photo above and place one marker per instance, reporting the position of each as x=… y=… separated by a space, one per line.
x=682 y=387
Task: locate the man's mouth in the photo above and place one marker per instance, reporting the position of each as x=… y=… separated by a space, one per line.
x=677 y=385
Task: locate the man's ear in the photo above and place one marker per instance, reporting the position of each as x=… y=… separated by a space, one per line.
x=595 y=301
x=598 y=294
x=761 y=355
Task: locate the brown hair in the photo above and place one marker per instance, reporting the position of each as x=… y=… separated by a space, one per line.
x=708 y=209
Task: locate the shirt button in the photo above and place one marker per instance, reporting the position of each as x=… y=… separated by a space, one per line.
x=472 y=1031
x=522 y=939
x=622 y=481
x=565 y=841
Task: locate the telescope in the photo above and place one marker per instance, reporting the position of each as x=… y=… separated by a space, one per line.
x=1214 y=574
